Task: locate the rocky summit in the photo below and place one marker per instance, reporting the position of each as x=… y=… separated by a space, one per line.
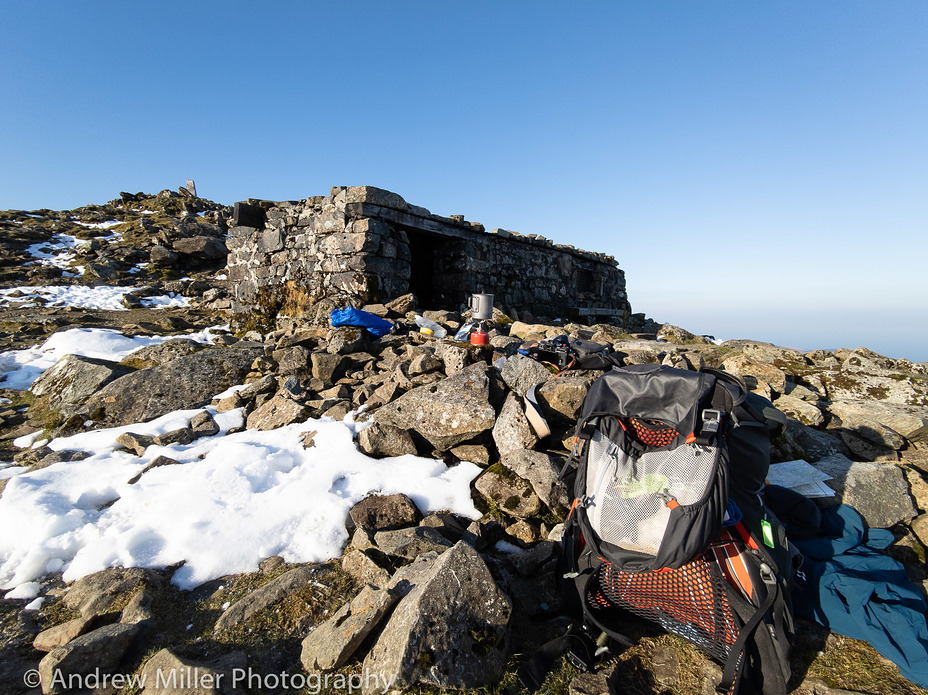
x=426 y=599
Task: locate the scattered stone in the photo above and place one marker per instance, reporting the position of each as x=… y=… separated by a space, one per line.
x=561 y=398
x=293 y=360
x=277 y=412
x=446 y=524
x=138 y=610
x=136 y=443
x=541 y=471
x=60 y=635
x=475 y=453
x=215 y=677
x=203 y=425
x=384 y=513
x=327 y=367
x=182 y=435
x=230 y=402
x=410 y=542
x=361 y=567
x=155 y=463
x=333 y=642
x=523 y=532
x=521 y=373
x=385 y=440
x=101 y=649
x=512 y=431
x=756 y=373
x=801 y=410
x=269 y=594
x=483 y=533
x=97 y=593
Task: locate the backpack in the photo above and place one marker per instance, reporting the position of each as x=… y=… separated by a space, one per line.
x=668 y=523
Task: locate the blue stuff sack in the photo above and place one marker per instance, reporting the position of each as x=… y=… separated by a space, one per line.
x=350 y=316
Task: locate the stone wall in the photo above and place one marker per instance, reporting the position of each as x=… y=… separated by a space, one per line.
x=362 y=245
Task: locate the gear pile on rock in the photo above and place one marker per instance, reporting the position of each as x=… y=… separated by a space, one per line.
x=435 y=600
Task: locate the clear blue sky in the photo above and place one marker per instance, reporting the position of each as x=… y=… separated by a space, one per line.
x=759 y=169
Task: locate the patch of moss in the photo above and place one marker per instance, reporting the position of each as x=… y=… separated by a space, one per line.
x=878 y=393
x=854 y=665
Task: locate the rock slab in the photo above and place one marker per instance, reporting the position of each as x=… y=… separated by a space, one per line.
x=451 y=630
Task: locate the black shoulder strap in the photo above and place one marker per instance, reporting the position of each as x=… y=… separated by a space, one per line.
x=737 y=655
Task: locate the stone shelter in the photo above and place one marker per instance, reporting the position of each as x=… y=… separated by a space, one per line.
x=362 y=245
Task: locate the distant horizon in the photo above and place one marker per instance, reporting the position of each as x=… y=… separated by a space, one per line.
x=887 y=344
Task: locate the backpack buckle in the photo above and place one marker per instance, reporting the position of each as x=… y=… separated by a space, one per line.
x=711 y=420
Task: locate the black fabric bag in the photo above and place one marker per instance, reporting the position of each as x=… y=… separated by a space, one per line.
x=563 y=352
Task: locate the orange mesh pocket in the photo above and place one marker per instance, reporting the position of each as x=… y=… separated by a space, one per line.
x=652 y=433
x=690 y=601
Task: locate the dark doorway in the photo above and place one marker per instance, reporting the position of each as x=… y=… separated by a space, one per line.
x=422 y=268
x=436 y=267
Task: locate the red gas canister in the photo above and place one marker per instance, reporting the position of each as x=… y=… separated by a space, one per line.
x=479 y=337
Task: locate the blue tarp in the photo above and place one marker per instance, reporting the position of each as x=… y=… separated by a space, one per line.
x=848 y=585
x=350 y=316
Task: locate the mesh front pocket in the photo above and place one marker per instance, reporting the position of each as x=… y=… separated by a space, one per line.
x=652 y=433
x=631 y=498
x=690 y=601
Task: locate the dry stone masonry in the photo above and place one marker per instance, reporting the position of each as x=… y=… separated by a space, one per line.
x=362 y=245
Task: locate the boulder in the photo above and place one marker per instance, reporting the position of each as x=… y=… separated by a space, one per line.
x=754 y=371
x=521 y=373
x=205 y=247
x=446 y=413
x=561 y=398
x=799 y=409
x=512 y=431
x=327 y=367
x=292 y=360
x=509 y=492
x=541 y=471
x=877 y=490
x=161 y=353
x=184 y=383
x=68 y=383
x=886 y=424
x=385 y=513
x=333 y=642
x=451 y=630
x=99 y=650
